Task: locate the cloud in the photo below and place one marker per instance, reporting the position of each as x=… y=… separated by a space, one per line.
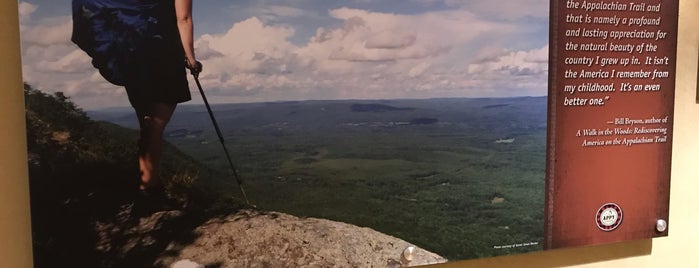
x=390 y=40
x=46 y=47
x=271 y=13
x=249 y=46
x=507 y=10
x=372 y=36
x=50 y=31
x=349 y=53
x=281 y=11
x=503 y=10
x=508 y=72
x=74 y=62
x=418 y=69
x=369 y=55
x=205 y=52
x=51 y=62
x=25 y=10
x=426 y=2
x=529 y=62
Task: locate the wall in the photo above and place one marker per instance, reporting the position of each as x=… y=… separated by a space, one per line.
x=680 y=249
x=15 y=240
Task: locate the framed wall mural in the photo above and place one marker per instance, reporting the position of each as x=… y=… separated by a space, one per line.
x=363 y=133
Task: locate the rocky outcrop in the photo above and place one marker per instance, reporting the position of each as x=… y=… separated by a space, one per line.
x=259 y=239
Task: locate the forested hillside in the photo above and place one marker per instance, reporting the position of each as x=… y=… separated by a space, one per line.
x=84 y=174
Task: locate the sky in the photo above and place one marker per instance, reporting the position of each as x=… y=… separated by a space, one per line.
x=277 y=50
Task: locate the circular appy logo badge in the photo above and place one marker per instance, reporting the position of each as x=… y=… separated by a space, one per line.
x=609 y=217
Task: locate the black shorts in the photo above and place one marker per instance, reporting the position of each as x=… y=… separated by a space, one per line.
x=157 y=74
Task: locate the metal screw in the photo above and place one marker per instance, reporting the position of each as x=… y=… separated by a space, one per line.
x=408 y=253
x=661 y=225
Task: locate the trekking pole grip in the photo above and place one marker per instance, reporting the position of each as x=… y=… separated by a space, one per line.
x=195 y=68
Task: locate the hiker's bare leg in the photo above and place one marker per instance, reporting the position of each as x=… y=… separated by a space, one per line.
x=152 y=119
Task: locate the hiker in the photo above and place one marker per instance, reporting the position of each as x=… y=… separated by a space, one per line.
x=145 y=46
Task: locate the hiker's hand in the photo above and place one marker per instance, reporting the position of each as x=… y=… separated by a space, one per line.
x=195 y=68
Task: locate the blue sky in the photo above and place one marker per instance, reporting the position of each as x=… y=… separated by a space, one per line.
x=273 y=50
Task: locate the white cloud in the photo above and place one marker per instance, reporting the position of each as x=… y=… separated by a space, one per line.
x=281 y=11
x=418 y=69
x=273 y=13
x=365 y=37
x=390 y=40
x=505 y=10
x=249 y=46
x=25 y=10
x=508 y=10
x=370 y=55
x=47 y=32
x=74 y=62
x=370 y=36
x=531 y=62
x=361 y=54
x=511 y=72
x=205 y=52
x=51 y=62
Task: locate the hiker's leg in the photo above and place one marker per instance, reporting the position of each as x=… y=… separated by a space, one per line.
x=152 y=119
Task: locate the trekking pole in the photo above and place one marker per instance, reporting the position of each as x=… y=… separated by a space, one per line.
x=220 y=137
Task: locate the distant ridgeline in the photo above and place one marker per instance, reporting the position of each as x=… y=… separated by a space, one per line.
x=375 y=107
x=379 y=108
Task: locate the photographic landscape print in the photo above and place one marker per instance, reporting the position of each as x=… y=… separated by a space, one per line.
x=424 y=120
